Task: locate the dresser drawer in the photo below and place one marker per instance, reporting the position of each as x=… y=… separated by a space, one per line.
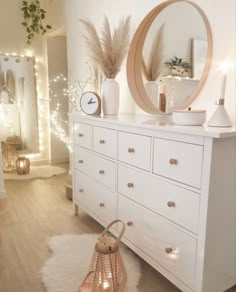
x=83 y=135
x=134 y=149
x=178 y=161
x=96 y=167
x=170 y=247
x=93 y=196
x=175 y=203
x=105 y=141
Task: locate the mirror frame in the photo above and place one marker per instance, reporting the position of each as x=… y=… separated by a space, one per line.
x=134 y=60
x=36 y=150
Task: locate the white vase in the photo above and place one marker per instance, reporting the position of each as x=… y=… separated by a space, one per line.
x=153 y=92
x=110 y=97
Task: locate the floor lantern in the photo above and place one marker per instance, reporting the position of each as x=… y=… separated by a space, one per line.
x=9 y=158
x=22 y=165
x=107 y=271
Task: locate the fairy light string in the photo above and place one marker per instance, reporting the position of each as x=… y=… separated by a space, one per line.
x=60 y=88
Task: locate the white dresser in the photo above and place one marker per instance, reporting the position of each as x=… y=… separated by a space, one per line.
x=173 y=186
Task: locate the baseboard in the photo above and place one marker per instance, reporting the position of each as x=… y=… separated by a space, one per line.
x=59 y=160
x=49 y=162
x=39 y=162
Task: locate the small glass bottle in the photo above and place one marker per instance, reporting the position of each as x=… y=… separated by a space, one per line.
x=162 y=98
x=170 y=100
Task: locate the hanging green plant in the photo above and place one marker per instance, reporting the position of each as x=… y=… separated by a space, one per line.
x=33 y=16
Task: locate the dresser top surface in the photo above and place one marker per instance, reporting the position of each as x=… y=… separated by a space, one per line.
x=158 y=123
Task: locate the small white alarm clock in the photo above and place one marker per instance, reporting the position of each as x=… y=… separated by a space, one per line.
x=90 y=103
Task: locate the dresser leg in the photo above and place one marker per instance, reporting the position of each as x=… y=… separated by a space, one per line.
x=76 y=210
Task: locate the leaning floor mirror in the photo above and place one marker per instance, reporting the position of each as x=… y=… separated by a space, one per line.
x=18 y=103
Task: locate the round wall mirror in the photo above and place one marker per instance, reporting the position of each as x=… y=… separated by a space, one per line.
x=169 y=57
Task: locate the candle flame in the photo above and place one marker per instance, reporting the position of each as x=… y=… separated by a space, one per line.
x=226 y=66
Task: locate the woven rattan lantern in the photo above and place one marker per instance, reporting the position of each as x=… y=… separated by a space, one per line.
x=15 y=141
x=9 y=158
x=107 y=270
x=22 y=165
x=87 y=285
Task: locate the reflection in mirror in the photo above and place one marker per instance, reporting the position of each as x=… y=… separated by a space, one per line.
x=169 y=57
x=177 y=31
x=18 y=103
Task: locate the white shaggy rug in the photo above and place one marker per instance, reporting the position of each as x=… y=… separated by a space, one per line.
x=42 y=171
x=68 y=266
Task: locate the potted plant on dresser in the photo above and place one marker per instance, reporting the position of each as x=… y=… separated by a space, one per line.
x=108 y=52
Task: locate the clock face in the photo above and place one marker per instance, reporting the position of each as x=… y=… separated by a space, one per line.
x=90 y=103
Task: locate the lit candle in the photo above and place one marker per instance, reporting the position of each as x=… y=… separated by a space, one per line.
x=224 y=67
x=223 y=86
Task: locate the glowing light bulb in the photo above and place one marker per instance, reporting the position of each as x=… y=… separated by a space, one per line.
x=106 y=285
x=226 y=66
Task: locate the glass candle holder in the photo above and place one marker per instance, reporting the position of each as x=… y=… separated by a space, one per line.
x=22 y=165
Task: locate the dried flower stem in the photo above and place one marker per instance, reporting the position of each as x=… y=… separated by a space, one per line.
x=153 y=68
x=109 y=50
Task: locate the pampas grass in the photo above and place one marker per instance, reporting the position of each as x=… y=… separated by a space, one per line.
x=108 y=50
x=153 y=68
x=97 y=79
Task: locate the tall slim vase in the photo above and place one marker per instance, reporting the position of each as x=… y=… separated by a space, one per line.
x=110 y=97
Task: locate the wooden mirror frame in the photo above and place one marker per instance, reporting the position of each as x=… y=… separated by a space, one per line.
x=134 y=60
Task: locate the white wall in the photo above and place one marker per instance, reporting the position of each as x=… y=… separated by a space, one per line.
x=221 y=16
x=57 y=64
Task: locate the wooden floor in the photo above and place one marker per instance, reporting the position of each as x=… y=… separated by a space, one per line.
x=34 y=211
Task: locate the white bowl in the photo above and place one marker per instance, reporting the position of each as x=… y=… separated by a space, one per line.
x=189 y=117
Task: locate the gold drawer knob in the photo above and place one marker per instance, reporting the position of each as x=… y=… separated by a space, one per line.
x=101 y=205
x=130 y=185
x=101 y=171
x=102 y=141
x=129 y=223
x=173 y=161
x=171 y=204
x=169 y=250
x=81 y=135
x=131 y=150
x=81 y=161
x=81 y=190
